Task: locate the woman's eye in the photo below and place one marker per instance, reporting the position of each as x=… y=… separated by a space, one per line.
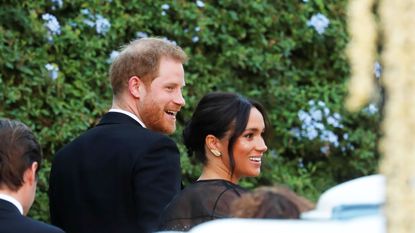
x=249 y=135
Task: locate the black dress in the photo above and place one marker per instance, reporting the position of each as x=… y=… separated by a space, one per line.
x=200 y=202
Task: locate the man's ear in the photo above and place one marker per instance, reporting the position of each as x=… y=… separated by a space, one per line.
x=30 y=174
x=135 y=86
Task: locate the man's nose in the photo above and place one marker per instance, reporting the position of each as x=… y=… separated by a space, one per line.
x=179 y=99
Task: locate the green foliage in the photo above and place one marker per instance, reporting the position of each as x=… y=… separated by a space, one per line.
x=262 y=49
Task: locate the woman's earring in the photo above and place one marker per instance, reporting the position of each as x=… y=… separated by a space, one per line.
x=216 y=152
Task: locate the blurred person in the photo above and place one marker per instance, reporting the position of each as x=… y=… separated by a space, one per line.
x=226 y=133
x=276 y=202
x=20 y=160
x=119 y=175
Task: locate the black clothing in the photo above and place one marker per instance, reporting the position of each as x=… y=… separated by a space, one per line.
x=116 y=177
x=12 y=221
x=200 y=202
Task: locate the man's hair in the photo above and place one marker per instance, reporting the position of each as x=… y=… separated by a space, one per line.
x=141 y=58
x=18 y=150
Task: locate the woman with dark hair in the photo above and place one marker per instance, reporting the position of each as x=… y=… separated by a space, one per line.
x=226 y=133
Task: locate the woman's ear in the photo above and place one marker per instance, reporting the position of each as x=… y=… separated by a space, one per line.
x=135 y=86
x=212 y=144
x=211 y=141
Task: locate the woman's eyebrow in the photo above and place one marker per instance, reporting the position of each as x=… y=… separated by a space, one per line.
x=252 y=129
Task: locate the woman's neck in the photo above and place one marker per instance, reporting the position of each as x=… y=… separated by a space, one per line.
x=210 y=173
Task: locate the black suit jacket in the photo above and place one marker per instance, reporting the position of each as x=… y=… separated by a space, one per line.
x=12 y=221
x=116 y=177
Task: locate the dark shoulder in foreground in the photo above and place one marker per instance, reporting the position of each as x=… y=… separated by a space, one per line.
x=28 y=225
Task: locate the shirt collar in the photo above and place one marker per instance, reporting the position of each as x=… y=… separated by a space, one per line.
x=128 y=114
x=13 y=201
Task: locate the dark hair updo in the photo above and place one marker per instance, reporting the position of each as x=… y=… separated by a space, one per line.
x=216 y=114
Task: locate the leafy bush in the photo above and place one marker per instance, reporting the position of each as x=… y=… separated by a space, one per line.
x=55 y=55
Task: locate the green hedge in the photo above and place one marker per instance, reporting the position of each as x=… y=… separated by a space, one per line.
x=54 y=77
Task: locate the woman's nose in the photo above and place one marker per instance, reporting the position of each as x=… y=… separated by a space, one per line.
x=261 y=146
